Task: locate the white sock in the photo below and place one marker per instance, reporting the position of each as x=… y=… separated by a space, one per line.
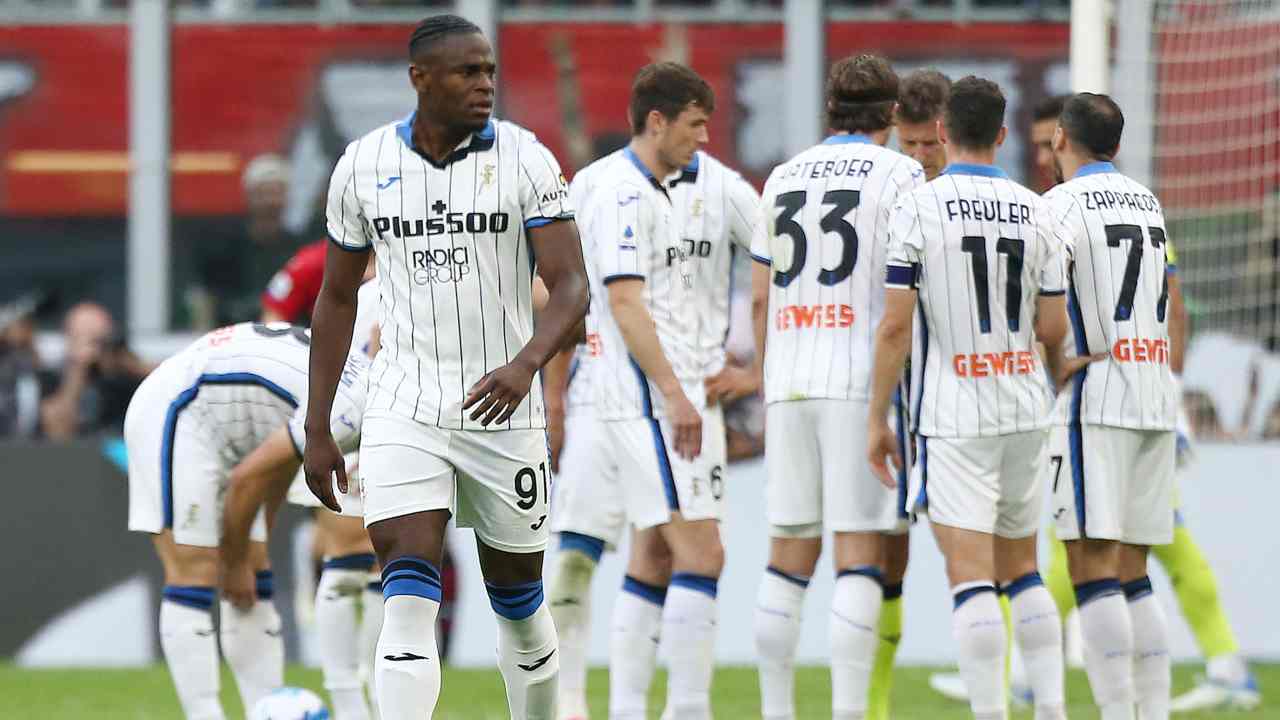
x=855 y=617
x=1108 y=646
x=407 y=669
x=634 y=633
x=337 y=629
x=371 y=612
x=191 y=650
x=1228 y=669
x=1151 y=679
x=689 y=631
x=777 y=623
x=979 y=631
x=1038 y=630
x=528 y=654
x=569 y=598
x=253 y=644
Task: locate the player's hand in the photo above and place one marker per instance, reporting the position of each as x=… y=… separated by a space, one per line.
x=1073 y=365
x=881 y=444
x=321 y=461
x=731 y=383
x=555 y=437
x=687 y=423
x=239 y=585
x=499 y=393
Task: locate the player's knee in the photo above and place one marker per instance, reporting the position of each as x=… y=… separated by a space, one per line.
x=190 y=565
x=1089 y=560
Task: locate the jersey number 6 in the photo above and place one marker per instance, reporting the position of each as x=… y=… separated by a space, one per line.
x=842 y=201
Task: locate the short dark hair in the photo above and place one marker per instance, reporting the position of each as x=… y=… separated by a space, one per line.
x=975 y=113
x=669 y=88
x=437 y=27
x=1049 y=108
x=1093 y=122
x=922 y=95
x=861 y=91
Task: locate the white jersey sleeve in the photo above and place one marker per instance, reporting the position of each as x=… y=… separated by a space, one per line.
x=1118 y=301
x=545 y=195
x=980 y=249
x=624 y=239
x=825 y=234
x=368 y=312
x=343 y=214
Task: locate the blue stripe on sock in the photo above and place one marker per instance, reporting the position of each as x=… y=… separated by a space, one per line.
x=360 y=561
x=1094 y=589
x=411 y=576
x=698 y=583
x=196 y=596
x=655 y=594
x=515 y=602
x=793 y=579
x=1025 y=582
x=264 y=584
x=963 y=596
x=893 y=592
x=374 y=586
x=590 y=546
x=870 y=571
x=1137 y=589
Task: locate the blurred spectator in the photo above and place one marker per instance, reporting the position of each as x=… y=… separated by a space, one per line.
x=1205 y=424
x=19 y=382
x=98 y=377
x=291 y=294
x=230 y=273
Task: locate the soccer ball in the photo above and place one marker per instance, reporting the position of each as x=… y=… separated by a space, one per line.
x=290 y=703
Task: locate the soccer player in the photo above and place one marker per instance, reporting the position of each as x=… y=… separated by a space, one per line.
x=189 y=423
x=818 y=296
x=1044 y=121
x=983 y=260
x=921 y=98
x=649 y=396
x=1116 y=432
x=459 y=210
x=713 y=209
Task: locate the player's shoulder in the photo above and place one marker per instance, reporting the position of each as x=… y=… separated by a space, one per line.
x=369 y=141
x=509 y=134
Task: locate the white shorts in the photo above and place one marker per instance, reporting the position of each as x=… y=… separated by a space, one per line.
x=592 y=498
x=351 y=502
x=586 y=498
x=1113 y=483
x=991 y=485
x=496 y=482
x=818 y=475
x=177 y=473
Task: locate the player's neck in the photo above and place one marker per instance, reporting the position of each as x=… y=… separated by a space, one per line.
x=435 y=140
x=970 y=156
x=879 y=137
x=1071 y=164
x=649 y=156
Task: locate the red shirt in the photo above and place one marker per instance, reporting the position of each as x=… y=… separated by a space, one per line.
x=293 y=290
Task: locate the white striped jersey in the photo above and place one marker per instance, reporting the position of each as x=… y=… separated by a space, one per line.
x=245 y=381
x=1118 y=301
x=455 y=267
x=368 y=316
x=579 y=395
x=628 y=229
x=824 y=234
x=980 y=248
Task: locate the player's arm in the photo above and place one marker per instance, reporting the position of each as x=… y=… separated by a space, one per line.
x=555 y=382
x=626 y=300
x=1178 y=324
x=892 y=346
x=331 y=326
x=760 y=272
x=261 y=478
x=742 y=216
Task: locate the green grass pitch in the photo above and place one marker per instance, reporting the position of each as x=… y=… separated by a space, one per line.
x=146 y=694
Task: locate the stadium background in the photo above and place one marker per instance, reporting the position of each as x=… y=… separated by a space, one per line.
x=299 y=78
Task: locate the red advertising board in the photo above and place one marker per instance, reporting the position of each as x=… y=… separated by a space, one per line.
x=303 y=91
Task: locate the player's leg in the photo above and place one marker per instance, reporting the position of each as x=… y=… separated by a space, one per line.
x=690 y=614
x=636 y=624
x=186 y=625
x=527 y=645
x=896 y=553
x=855 y=615
x=1089 y=499
x=252 y=641
x=343 y=579
x=588 y=517
x=793 y=505
x=408 y=487
x=961 y=481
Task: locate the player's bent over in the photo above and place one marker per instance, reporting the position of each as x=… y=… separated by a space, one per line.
x=982 y=407
x=455 y=416
x=816 y=379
